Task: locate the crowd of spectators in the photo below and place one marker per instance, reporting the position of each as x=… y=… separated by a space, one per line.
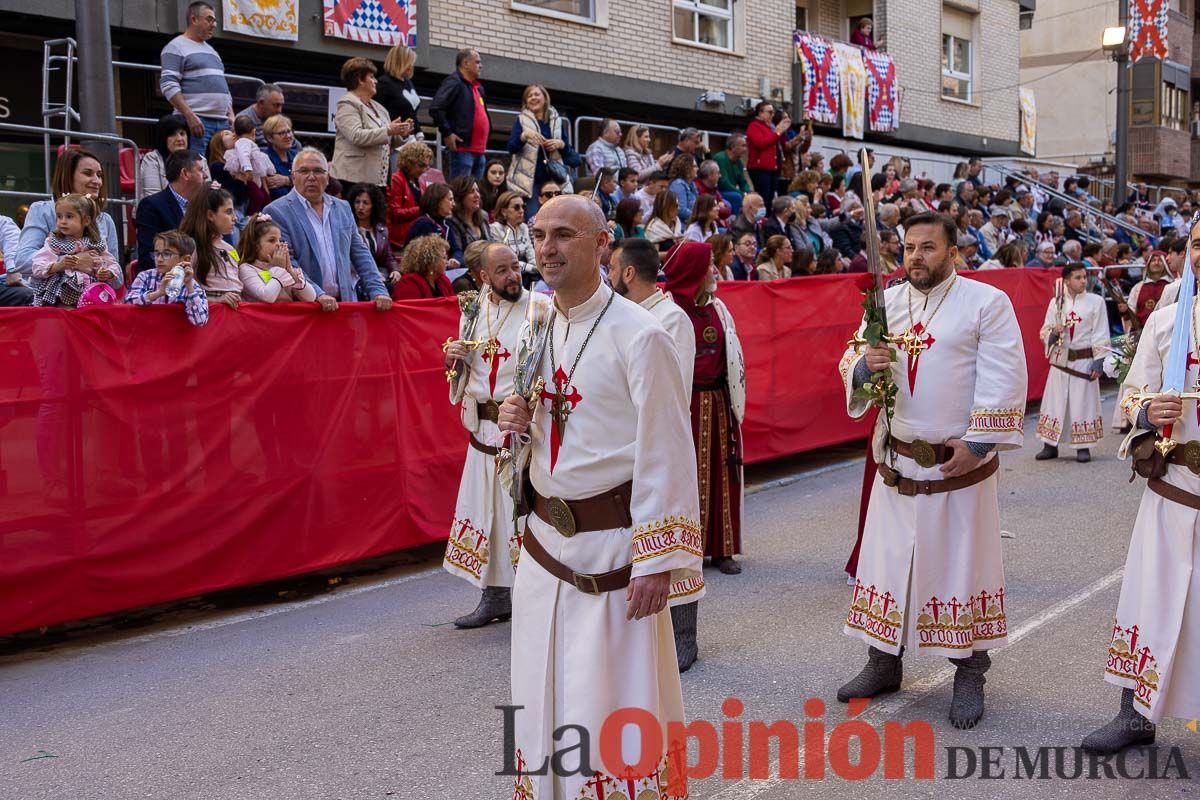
x=233 y=208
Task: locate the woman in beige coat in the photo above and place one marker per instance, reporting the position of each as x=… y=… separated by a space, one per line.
x=365 y=135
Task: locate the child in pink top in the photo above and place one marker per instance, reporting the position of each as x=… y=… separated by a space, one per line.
x=266 y=269
x=74 y=255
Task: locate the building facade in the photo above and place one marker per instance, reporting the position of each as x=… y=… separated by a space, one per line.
x=1062 y=60
x=671 y=63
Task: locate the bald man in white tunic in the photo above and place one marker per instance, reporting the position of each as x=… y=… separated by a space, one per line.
x=613 y=536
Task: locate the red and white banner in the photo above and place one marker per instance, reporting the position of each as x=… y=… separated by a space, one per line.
x=143 y=460
x=1147 y=29
x=381 y=22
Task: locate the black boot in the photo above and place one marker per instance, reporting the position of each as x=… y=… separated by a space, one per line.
x=1049 y=451
x=494 y=605
x=727 y=565
x=966 y=707
x=683 y=619
x=1127 y=729
x=1083 y=455
x=882 y=674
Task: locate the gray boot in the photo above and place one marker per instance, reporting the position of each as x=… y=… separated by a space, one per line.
x=683 y=619
x=1127 y=729
x=966 y=707
x=882 y=674
x=494 y=605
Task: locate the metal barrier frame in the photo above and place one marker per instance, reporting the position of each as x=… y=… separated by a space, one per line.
x=1084 y=209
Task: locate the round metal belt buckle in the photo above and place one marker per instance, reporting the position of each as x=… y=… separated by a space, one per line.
x=1191 y=456
x=491 y=411
x=923 y=453
x=561 y=517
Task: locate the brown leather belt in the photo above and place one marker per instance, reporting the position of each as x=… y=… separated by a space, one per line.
x=1083 y=352
x=1174 y=493
x=598 y=513
x=1074 y=373
x=483 y=448
x=919 y=450
x=489 y=410
x=910 y=488
x=587 y=583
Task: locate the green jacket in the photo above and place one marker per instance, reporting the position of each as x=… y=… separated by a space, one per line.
x=733 y=174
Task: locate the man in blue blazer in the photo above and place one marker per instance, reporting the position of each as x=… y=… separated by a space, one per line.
x=322 y=236
x=163 y=211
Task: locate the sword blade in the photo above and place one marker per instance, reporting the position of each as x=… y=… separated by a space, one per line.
x=874 y=264
x=1175 y=370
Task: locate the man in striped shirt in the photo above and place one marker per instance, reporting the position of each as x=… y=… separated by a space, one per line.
x=193 y=78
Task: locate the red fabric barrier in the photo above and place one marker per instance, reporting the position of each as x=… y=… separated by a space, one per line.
x=143 y=460
x=794 y=332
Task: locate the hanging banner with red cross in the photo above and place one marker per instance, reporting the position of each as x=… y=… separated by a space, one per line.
x=381 y=22
x=819 y=63
x=1147 y=29
x=883 y=104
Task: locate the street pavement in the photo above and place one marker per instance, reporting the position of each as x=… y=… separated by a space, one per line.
x=368 y=691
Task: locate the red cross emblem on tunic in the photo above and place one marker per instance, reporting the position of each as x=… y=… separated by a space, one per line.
x=935 y=605
x=918 y=342
x=563 y=400
x=1073 y=319
x=493 y=355
x=599 y=784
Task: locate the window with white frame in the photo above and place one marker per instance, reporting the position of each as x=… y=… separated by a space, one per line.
x=706 y=22
x=957 y=54
x=584 y=10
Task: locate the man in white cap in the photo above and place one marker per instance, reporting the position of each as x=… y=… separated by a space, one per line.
x=995 y=233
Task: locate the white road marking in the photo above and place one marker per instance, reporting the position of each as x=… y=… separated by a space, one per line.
x=914 y=693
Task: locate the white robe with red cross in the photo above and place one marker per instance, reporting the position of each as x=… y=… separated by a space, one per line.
x=484 y=544
x=576 y=659
x=1070 y=405
x=931 y=571
x=1155 y=646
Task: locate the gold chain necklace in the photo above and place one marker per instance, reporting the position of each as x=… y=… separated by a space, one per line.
x=488 y=317
x=912 y=323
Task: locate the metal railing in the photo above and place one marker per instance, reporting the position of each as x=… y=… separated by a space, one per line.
x=673 y=130
x=1085 y=210
x=47 y=133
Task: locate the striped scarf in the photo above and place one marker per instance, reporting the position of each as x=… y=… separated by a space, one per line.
x=66 y=245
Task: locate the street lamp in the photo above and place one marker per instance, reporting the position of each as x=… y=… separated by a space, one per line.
x=1113 y=42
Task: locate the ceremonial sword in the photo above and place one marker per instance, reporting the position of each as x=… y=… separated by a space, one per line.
x=1175 y=371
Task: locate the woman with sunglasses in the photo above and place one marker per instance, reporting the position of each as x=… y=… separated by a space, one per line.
x=510 y=229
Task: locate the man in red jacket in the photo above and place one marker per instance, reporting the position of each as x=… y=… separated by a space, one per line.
x=762 y=160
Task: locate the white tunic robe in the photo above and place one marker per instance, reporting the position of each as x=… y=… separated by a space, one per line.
x=1068 y=399
x=676 y=323
x=931 y=571
x=484 y=545
x=575 y=658
x=1155 y=648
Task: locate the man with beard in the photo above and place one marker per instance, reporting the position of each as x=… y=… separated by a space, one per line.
x=614 y=534
x=484 y=545
x=931 y=574
x=718 y=405
x=633 y=272
x=1154 y=653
